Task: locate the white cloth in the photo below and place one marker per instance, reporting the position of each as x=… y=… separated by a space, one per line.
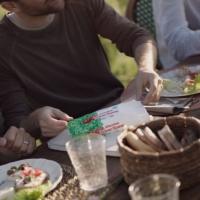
x=177 y=29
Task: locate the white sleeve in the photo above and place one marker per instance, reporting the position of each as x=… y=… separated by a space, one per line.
x=181 y=40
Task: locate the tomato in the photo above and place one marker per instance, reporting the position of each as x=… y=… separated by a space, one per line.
x=193 y=74
x=27 y=173
x=191 y=81
x=38 y=172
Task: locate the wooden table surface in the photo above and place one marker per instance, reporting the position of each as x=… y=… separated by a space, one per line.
x=113 y=163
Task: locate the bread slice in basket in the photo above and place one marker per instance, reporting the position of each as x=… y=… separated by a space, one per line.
x=137 y=144
x=169 y=138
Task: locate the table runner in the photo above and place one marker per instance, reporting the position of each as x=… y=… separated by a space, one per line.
x=69 y=188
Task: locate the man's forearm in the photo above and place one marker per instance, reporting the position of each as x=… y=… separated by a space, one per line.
x=31 y=124
x=146 y=56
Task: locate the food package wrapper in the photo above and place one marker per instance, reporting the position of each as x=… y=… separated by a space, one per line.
x=109 y=119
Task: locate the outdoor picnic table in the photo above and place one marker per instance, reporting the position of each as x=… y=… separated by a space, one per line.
x=120 y=192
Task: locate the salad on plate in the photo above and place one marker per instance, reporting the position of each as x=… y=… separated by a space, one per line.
x=181 y=82
x=29 y=179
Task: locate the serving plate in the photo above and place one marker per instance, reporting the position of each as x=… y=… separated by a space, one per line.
x=172 y=76
x=51 y=167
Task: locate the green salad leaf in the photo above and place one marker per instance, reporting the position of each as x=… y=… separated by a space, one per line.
x=196 y=86
x=36 y=193
x=170 y=85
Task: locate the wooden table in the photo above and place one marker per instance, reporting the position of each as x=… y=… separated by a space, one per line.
x=113 y=163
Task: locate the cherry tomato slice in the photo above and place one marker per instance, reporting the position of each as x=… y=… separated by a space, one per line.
x=191 y=81
x=38 y=172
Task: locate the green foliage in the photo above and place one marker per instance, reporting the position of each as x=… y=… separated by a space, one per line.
x=36 y=193
x=2 y=12
x=123 y=67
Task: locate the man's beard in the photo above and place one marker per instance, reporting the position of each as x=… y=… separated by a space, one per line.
x=35 y=11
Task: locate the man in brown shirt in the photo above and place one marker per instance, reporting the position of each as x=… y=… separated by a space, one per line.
x=52 y=61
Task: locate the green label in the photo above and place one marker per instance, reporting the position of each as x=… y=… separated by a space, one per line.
x=84 y=124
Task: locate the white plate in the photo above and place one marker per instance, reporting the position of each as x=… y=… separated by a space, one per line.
x=172 y=76
x=51 y=167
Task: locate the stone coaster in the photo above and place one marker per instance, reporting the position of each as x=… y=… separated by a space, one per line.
x=69 y=188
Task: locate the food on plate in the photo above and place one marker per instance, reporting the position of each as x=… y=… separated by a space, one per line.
x=183 y=82
x=171 y=85
x=140 y=133
x=183 y=71
x=136 y=144
x=188 y=137
x=36 y=193
x=28 y=181
x=168 y=137
x=16 y=172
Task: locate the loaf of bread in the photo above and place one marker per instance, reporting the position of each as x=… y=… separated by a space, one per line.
x=153 y=138
x=140 y=133
x=165 y=141
x=136 y=144
x=169 y=138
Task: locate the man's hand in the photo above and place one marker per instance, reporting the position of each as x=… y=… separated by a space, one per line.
x=52 y=121
x=146 y=57
x=16 y=142
x=150 y=79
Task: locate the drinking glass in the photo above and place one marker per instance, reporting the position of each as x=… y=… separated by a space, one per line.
x=88 y=156
x=155 y=187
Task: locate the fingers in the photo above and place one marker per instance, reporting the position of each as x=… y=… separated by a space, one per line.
x=10 y=136
x=19 y=141
x=20 y=137
x=154 y=91
x=49 y=132
x=56 y=123
x=148 y=78
x=52 y=121
x=58 y=114
x=139 y=90
x=3 y=142
x=29 y=148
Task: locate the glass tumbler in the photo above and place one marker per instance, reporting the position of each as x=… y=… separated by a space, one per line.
x=155 y=187
x=88 y=156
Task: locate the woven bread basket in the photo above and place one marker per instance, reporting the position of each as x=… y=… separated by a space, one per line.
x=183 y=163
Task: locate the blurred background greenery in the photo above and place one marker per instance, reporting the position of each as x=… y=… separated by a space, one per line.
x=122 y=66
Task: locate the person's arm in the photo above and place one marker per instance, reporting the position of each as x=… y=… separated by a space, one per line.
x=13 y=101
x=14 y=144
x=126 y=34
x=146 y=57
x=181 y=40
x=50 y=121
x=134 y=41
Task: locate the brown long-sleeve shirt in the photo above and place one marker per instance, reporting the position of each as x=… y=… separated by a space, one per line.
x=64 y=65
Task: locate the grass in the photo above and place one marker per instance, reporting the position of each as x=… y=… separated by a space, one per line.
x=122 y=66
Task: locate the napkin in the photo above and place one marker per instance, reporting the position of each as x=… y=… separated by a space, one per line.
x=58 y=142
x=166 y=106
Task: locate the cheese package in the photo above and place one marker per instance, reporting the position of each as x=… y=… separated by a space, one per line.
x=109 y=120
